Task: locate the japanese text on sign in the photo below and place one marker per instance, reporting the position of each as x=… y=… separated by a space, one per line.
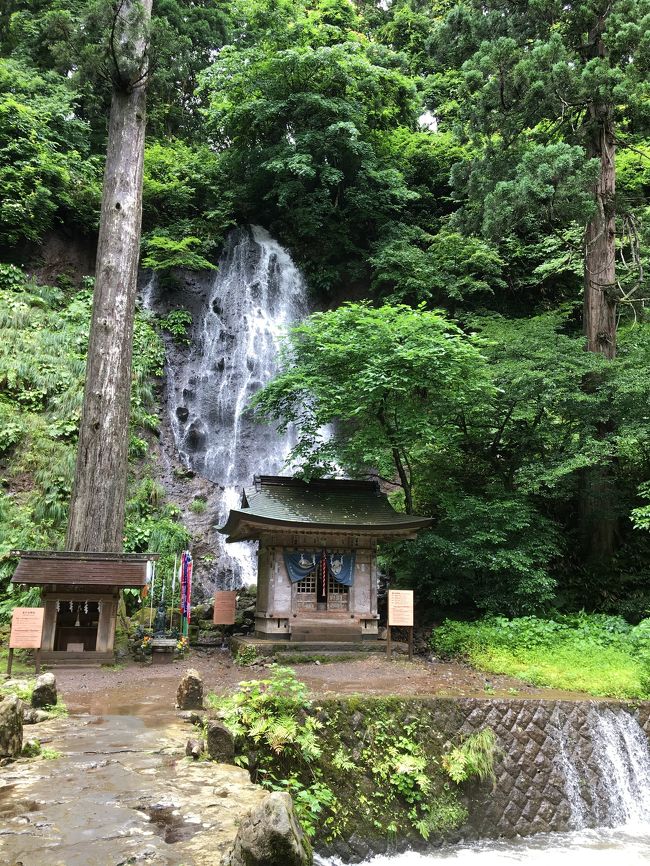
x=26 y=628
x=400 y=607
x=225 y=604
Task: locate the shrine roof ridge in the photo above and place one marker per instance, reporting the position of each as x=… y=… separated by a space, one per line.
x=85 y=555
x=327 y=503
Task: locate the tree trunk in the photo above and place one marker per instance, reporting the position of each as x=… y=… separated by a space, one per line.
x=96 y=520
x=599 y=522
x=599 y=320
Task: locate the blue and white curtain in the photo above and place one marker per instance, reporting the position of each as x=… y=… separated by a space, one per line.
x=340 y=566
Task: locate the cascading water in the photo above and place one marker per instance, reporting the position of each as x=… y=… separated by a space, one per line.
x=606 y=769
x=256 y=294
x=603 y=757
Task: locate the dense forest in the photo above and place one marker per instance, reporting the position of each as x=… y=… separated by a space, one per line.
x=466 y=188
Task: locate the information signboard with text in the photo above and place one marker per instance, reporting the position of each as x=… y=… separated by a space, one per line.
x=225 y=607
x=400 y=607
x=26 y=628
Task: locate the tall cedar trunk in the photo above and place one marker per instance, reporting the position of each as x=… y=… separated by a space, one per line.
x=97 y=506
x=599 y=320
x=598 y=514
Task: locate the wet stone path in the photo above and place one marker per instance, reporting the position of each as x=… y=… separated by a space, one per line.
x=122 y=792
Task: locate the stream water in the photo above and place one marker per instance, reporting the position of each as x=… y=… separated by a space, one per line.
x=623 y=846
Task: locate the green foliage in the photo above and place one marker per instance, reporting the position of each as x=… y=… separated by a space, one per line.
x=178 y=324
x=46 y=171
x=391 y=785
x=164 y=253
x=392 y=379
x=268 y=712
x=247 y=655
x=473 y=757
x=43 y=338
x=599 y=654
x=198 y=505
x=327 y=187
x=31 y=749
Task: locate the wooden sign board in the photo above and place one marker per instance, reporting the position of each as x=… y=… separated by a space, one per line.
x=225 y=606
x=26 y=628
x=400 y=607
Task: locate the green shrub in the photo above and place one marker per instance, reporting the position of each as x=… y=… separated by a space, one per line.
x=198 y=505
x=595 y=653
x=178 y=323
x=247 y=655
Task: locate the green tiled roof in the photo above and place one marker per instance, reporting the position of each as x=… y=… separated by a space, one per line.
x=327 y=503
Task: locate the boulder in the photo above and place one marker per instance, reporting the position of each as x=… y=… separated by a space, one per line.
x=190 y=691
x=11 y=727
x=44 y=694
x=220 y=743
x=270 y=835
x=194 y=748
x=32 y=716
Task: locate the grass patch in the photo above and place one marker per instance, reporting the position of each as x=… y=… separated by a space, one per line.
x=598 y=654
x=21 y=688
x=58 y=711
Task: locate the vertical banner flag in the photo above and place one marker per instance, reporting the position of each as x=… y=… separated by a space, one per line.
x=186 y=588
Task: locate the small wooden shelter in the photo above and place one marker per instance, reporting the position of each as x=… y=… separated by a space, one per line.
x=317 y=558
x=80 y=594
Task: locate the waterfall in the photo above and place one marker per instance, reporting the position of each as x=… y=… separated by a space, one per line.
x=606 y=767
x=239 y=321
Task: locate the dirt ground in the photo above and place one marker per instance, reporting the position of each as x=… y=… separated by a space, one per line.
x=132 y=687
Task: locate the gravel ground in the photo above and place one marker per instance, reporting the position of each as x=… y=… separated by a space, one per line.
x=133 y=687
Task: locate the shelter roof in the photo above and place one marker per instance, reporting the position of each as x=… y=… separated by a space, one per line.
x=324 y=503
x=74 y=568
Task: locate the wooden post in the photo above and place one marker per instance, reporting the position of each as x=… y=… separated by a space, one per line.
x=10 y=661
x=410 y=643
x=37 y=661
x=388 y=645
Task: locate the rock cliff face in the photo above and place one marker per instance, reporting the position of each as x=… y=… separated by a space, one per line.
x=212 y=446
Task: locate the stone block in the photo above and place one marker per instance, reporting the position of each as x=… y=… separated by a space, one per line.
x=194 y=748
x=11 y=727
x=271 y=836
x=189 y=695
x=44 y=694
x=220 y=743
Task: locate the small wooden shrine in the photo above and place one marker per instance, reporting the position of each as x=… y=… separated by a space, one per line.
x=317 y=562
x=80 y=594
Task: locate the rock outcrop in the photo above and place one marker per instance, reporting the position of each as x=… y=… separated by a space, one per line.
x=190 y=691
x=271 y=836
x=44 y=694
x=11 y=727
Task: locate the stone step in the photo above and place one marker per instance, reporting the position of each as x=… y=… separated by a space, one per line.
x=325 y=635
x=79 y=659
x=267 y=646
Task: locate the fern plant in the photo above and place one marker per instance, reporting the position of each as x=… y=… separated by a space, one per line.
x=474 y=757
